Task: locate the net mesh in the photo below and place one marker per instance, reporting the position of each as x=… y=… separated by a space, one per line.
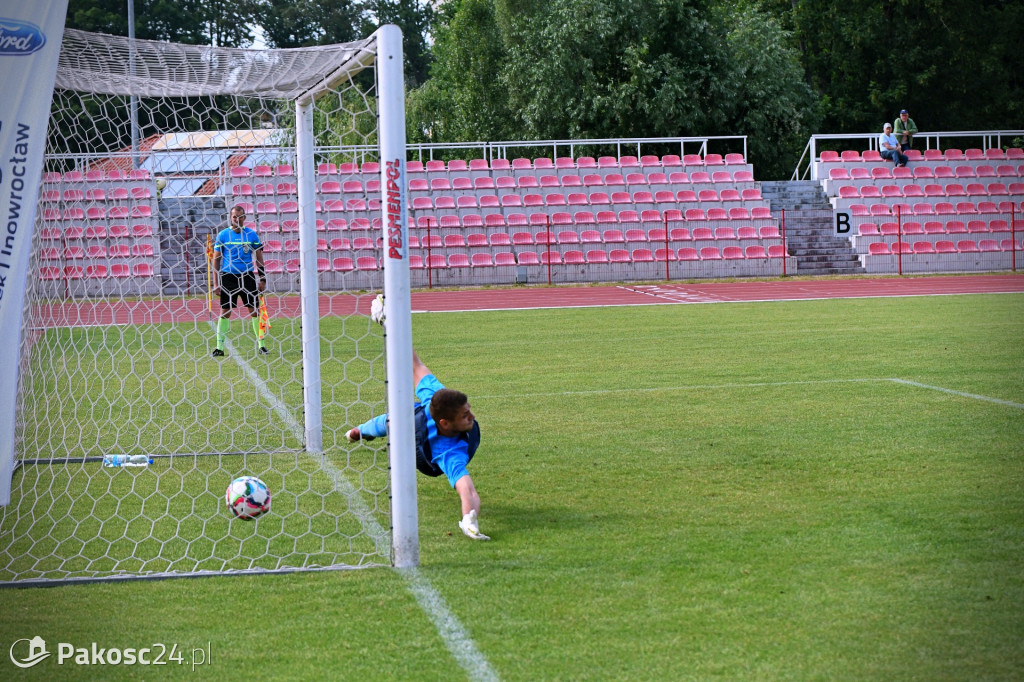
x=120 y=322
x=115 y=65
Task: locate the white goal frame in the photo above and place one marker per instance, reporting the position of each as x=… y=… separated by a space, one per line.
x=383 y=52
x=398 y=340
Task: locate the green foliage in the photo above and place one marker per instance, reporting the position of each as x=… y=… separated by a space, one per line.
x=613 y=68
x=774 y=70
x=414 y=17
x=770 y=102
x=177 y=20
x=346 y=118
x=304 y=23
x=464 y=99
x=226 y=23
x=954 y=64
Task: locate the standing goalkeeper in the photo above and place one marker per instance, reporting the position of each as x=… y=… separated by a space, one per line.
x=447 y=435
x=233 y=253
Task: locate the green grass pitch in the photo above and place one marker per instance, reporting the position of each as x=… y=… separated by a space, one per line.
x=730 y=491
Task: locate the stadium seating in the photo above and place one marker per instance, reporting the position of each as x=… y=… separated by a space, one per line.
x=942 y=194
x=569 y=197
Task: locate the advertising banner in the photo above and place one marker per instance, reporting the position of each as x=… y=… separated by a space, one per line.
x=30 y=40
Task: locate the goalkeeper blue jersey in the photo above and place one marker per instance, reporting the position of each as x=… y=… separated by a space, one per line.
x=449 y=455
x=236 y=249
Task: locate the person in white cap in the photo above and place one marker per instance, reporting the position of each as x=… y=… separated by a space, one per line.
x=890 y=148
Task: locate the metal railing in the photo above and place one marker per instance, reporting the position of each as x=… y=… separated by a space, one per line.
x=806 y=167
x=612 y=146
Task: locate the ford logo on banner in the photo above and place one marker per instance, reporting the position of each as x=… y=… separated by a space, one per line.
x=20 y=37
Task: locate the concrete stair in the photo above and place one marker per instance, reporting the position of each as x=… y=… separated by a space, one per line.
x=810 y=234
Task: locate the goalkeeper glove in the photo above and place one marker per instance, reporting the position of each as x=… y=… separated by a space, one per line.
x=469 y=526
x=377 y=310
x=355 y=435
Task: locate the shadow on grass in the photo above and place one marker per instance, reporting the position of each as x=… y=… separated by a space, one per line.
x=512 y=520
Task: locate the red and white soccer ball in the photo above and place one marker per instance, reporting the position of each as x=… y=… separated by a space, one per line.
x=247 y=497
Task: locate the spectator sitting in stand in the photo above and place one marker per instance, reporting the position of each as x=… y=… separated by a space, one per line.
x=890 y=148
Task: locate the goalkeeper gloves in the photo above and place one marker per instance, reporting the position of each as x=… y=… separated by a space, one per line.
x=469 y=527
x=377 y=310
x=355 y=435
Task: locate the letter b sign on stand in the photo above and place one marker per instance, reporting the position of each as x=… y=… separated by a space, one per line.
x=842 y=224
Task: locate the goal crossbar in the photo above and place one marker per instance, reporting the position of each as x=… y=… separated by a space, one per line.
x=94 y=62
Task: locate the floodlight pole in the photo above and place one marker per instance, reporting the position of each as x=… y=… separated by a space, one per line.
x=131 y=72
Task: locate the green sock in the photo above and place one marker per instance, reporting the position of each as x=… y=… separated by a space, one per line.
x=223 y=326
x=256 y=331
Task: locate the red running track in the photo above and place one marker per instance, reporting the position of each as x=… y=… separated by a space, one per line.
x=85 y=313
x=712 y=292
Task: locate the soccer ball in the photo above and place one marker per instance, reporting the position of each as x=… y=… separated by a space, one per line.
x=247 y=497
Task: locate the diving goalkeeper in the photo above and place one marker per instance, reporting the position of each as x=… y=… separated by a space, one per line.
x=447 y=434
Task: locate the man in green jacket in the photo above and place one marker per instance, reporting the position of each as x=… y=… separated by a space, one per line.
x=904 y=129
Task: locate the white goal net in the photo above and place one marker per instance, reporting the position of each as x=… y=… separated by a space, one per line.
x=149 y=147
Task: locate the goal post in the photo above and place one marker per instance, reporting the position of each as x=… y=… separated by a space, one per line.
x=396 y=281
x=119 y=318
x=29 y=60
x=401 y=440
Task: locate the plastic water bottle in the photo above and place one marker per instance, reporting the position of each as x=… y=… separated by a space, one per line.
x=127 y=460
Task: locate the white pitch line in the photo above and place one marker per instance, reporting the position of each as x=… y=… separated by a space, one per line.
x=691 y=387
x=711 y=387
x=659 y=300
x=454 y=635
x=962 y=394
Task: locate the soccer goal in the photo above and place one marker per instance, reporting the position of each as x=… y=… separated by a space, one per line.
x=149 y=147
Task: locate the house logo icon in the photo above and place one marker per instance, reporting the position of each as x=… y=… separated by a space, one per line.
x=36 y=652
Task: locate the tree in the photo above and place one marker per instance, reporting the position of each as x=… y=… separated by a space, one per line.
x=228 y=23
x=414 y=17
x=867 y=59
x=572 y=69
x=177 y=20
x=770 y=102
x=614 y=68
x=464 y=99
x=197 y=22
x=303 y=23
